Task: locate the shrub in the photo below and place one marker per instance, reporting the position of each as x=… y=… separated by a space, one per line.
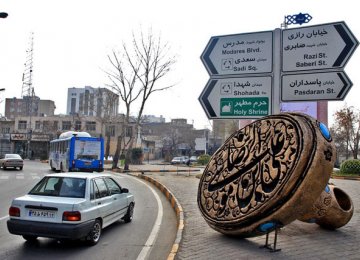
x=350 y=167
x=204 y=159
x=44 y=157
x=136 y=156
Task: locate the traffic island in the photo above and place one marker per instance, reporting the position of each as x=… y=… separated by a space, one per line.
x=171 y=198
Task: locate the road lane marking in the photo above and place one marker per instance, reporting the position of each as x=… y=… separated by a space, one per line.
x=156 y=228
x=5 y=217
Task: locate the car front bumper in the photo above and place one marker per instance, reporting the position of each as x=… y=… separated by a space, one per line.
x=51 y=230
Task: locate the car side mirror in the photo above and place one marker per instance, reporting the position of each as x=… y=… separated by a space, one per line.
x=124 y=190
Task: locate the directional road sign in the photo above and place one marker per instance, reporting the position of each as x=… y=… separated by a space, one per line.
x=239 y=54
x=247 y=97
x=317 y=47
x=315 y=86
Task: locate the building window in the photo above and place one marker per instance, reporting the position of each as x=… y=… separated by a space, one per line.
x=90 y=126
x=110 y=130
x=78 y=126
x=66 y=125
x=73 y=106
x=22 y=125
x=86 y=102
x=99 y=103
x=5 y=130
x=91 y=107
x=81 y=103
x=46 y=126
x=56 y=125
x=37 y=125
x=128 y=131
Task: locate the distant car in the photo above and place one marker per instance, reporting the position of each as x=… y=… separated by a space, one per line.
x=11 y=160
x=177 y=160
x=185 y=159
x=70 y=206
x=193 y=159
x=180 y=160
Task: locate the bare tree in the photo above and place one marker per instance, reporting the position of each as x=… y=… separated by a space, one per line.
x=135 y=74
x=105 y=109
x=347 y=126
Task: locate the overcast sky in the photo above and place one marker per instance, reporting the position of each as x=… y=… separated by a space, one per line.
x=73 y=38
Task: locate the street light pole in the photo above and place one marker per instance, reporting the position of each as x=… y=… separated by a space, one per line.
x=3 y=15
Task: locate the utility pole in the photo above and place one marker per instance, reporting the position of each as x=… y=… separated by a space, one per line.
x=28 y=93
x=3 y=15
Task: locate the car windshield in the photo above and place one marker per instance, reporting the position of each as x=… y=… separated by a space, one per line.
x=12 y=156
x=60 y=187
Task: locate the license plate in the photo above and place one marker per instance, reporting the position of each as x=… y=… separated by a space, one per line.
x=41 y=213
x=87 y=163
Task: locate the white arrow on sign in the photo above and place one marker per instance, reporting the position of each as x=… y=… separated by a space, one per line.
x=317 y=47
x=239 y=54
x=315 y=86
x=247 y=97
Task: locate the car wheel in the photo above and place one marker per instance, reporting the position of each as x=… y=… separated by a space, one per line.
x=4 y=167
x=129 y=214
x=95 y=233
x=30 y=238
x=20 y=168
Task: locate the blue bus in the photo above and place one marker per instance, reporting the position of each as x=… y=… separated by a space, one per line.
x=77 y=151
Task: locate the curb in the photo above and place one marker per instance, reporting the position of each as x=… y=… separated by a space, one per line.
x=178 y=209
x=346 y=178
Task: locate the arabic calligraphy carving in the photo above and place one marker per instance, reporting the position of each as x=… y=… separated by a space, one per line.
x=267 y=174
x=250 y=169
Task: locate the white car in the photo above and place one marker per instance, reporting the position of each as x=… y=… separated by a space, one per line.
x=180 y=160
x=70 y=206
x=10 y=160
x=177 y=160
x=193 y=158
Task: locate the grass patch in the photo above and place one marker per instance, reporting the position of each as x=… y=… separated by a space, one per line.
x=338 y=173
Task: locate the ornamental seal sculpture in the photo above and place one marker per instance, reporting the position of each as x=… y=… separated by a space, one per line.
x=266 y=175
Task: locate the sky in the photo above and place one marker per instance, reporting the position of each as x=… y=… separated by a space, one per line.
x=73 y=38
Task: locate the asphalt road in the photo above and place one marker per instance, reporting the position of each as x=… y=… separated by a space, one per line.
x=154 y=220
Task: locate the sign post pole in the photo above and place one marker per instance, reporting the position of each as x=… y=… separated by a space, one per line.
x=277 y=71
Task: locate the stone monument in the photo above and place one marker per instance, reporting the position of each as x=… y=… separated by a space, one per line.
x=270 y=173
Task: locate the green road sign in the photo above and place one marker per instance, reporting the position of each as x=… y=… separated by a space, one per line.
x=238 y=97
x=247 y=107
